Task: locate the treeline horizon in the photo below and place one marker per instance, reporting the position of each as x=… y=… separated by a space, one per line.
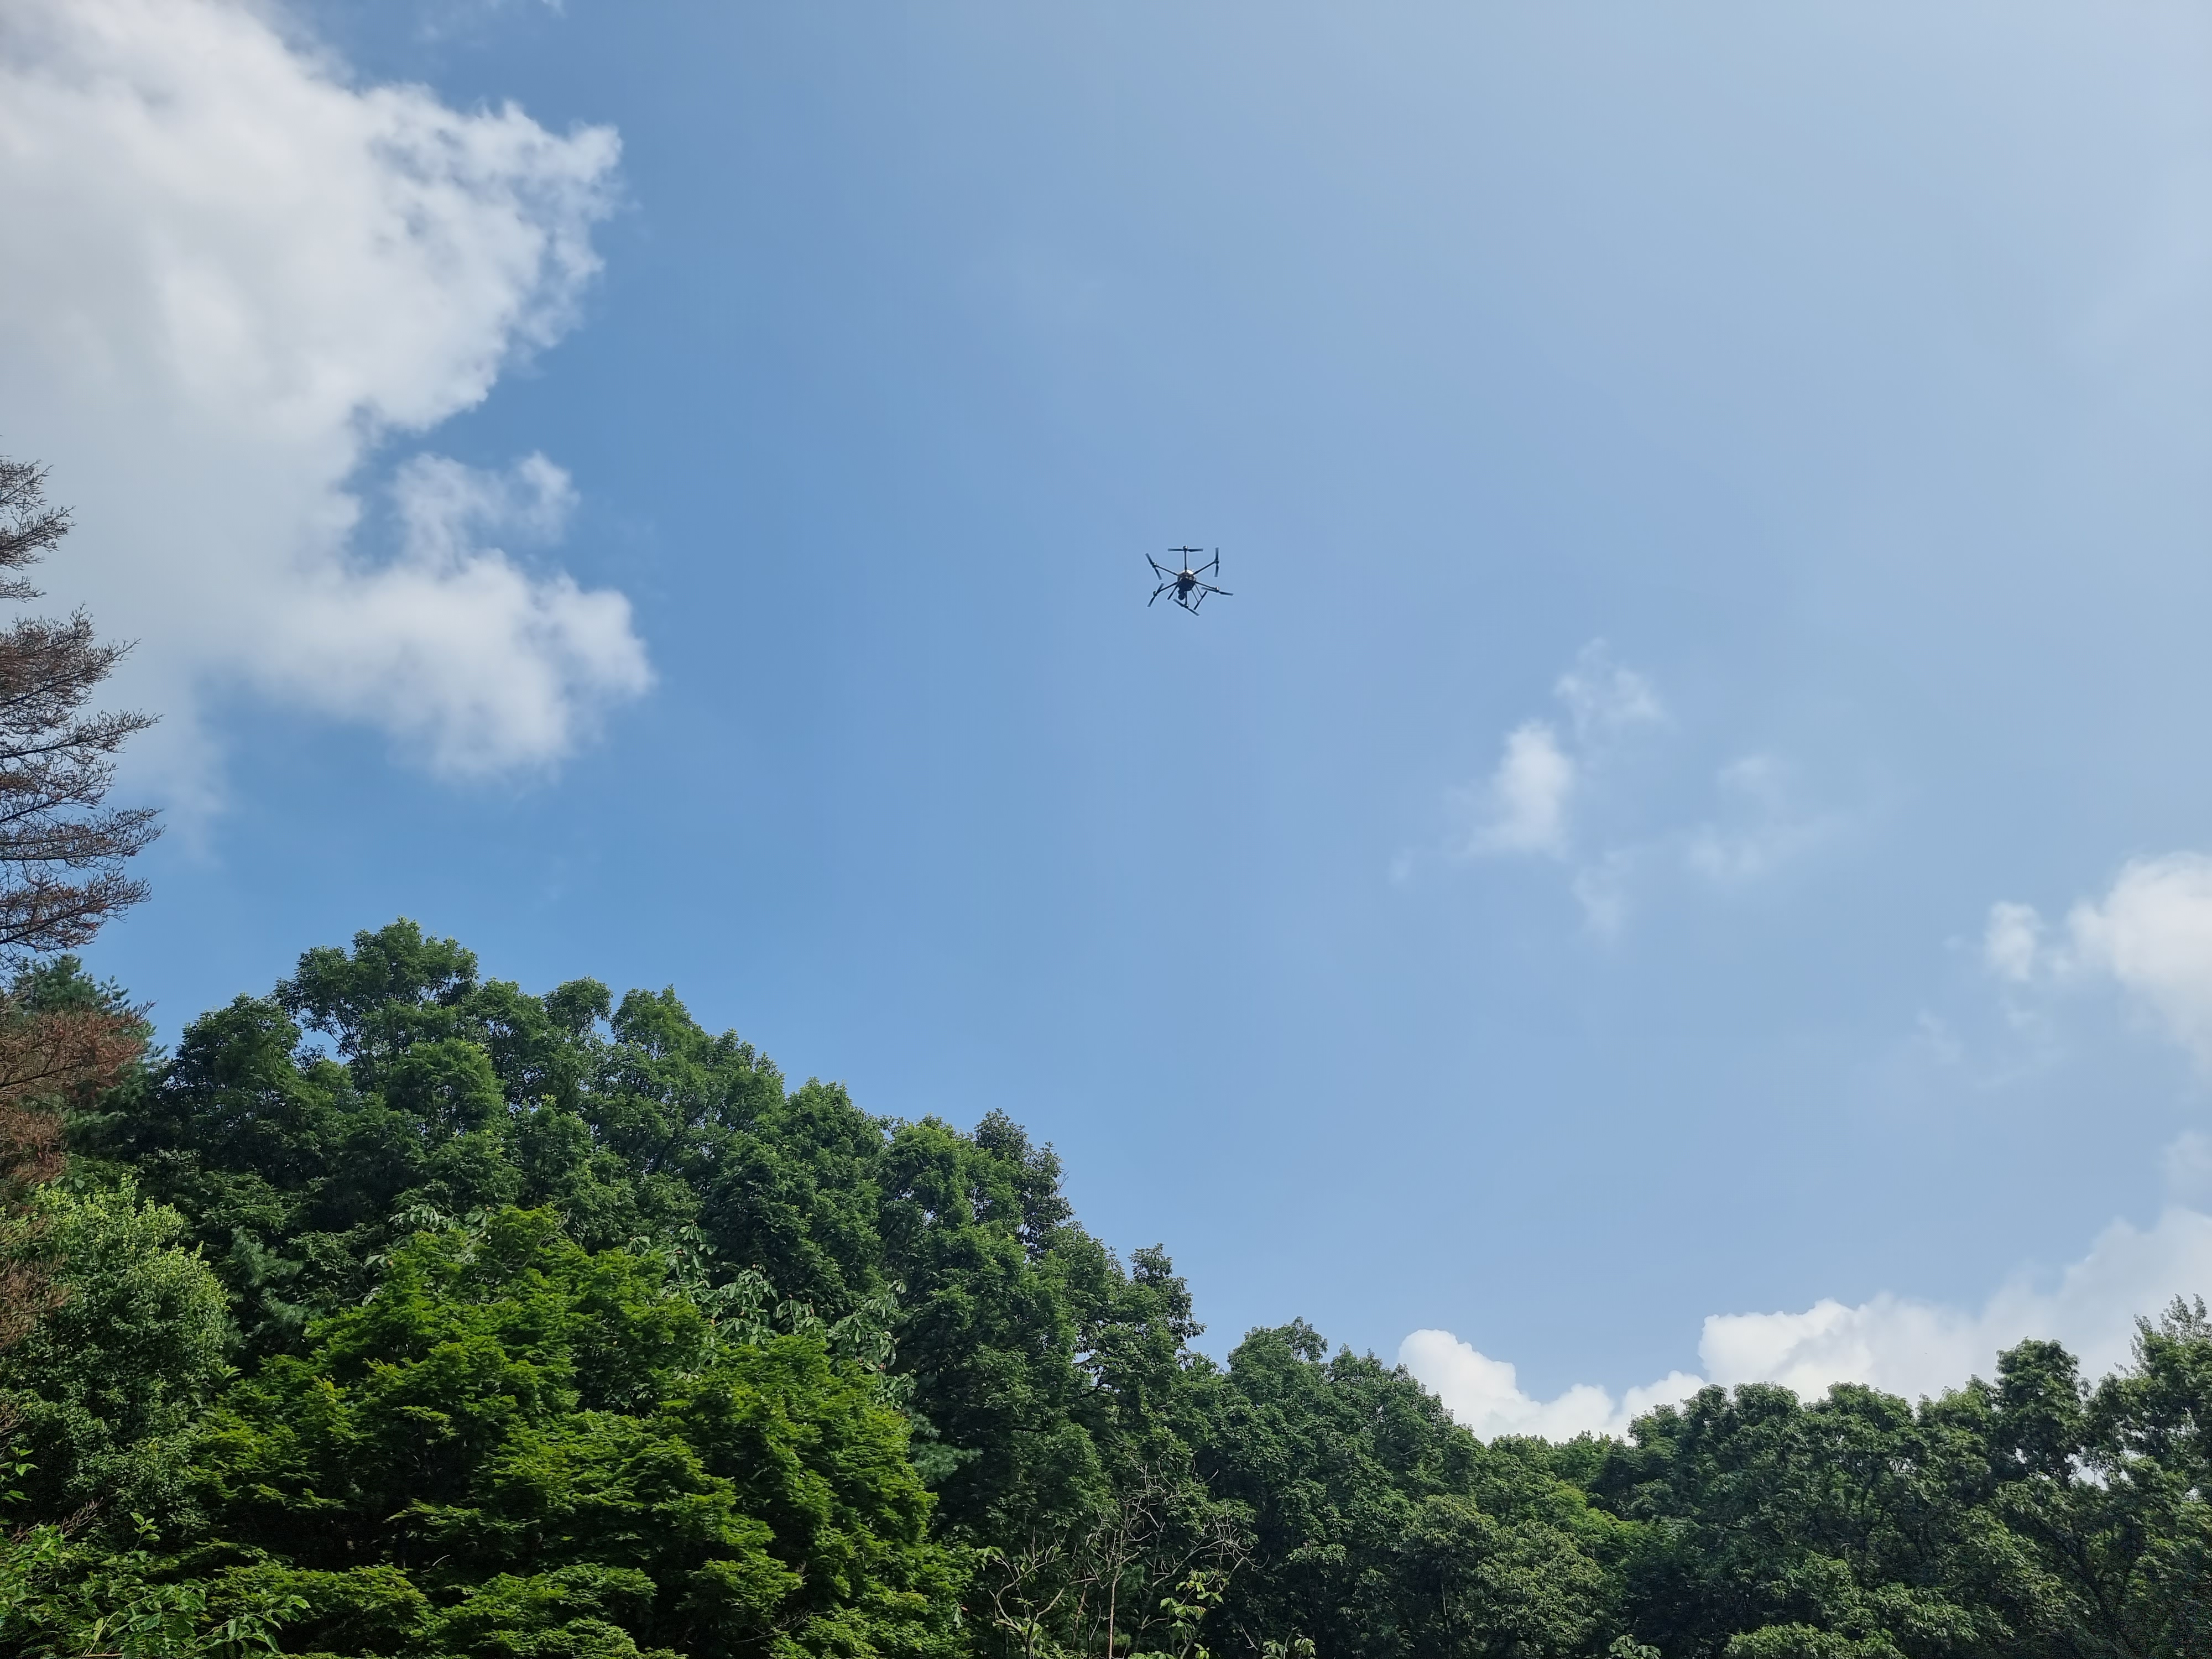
x=401 y=1312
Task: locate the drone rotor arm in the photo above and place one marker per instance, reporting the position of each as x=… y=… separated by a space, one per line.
x=1185 y=586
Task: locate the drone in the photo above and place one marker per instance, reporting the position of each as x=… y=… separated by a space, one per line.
x=1183 y=585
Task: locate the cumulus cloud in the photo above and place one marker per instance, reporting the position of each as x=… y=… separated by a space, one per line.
x=1524 y=805
x=1486 y=1394
x=2151 y=935
x=452 y=644
x=1913 y=1347
x=1897 y=1344
x=1527 y=796
x=233 y=275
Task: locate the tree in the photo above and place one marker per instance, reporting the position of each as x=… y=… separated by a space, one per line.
x=520 y=1446
x=568 y=1330
x=1383 y=1530
x=1855 y=1526
x=105 y=1388
x=62 y=853
x=2124 y=1554
x=62 y=861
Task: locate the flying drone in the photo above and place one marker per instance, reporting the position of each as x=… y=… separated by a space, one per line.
x=1183 y=584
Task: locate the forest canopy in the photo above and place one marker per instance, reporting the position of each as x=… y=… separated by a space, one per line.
x=402 y=1312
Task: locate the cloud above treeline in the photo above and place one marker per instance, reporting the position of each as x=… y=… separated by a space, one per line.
x=234 y=276
x=2148 y=935
x=1897 y=1344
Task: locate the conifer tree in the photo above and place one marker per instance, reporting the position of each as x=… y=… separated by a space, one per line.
x=62 y=857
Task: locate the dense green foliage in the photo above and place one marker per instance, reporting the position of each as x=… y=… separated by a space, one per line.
x=406 y=1314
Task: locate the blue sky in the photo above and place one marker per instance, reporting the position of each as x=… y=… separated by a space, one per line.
x=1715 y=502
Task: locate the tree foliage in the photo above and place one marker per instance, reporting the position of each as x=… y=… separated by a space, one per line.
x=409 y=1313
x=62 y=859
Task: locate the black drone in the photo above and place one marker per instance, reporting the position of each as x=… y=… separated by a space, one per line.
x=1184 y=585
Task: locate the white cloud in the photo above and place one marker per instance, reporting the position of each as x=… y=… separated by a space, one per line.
x=1913 y=1347
x=454 y=646
x=1549 y=795
x=1604 y=699
x=1485 y=1393
x=445 y=505
x=2151 y=935
x=233 y=273
x=1897 y=1344
x=1526 y=804
x=1526 y=800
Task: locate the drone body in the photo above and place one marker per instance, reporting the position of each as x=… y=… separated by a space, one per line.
x=1185 y=586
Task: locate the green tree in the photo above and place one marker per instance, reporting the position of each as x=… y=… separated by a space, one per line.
x=1044 y=1370
x=2109 y=1490
x=106 y=1390
x=566 y=1326
x=518 y=1445
x=1855 y=1524
x=1383 y=1528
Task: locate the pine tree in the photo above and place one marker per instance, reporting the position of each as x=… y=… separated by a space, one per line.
x=62 y=874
